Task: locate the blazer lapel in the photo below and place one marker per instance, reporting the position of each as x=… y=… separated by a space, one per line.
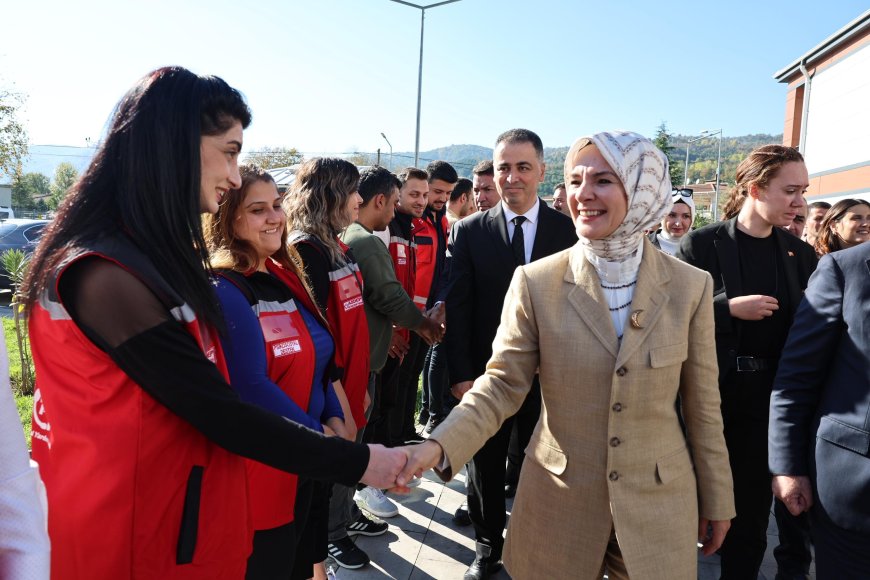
x=789 y=262
x=540 y=248
x=649 y=300
x=498 y=231
x=586 y=297
x=726 y=251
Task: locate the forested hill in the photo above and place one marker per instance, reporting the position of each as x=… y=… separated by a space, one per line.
x=702 y=157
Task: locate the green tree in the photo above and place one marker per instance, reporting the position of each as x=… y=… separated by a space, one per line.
x=65 y=175
x=13 y=137
x=272 y=157
x=26 y=188
x=663 y=141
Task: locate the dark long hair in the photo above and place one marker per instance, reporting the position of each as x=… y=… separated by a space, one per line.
x=145 y=179
x=827 y=241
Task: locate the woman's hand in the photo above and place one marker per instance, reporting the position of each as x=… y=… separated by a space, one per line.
x=711 y=540
x=337 y=426
x=753 y=307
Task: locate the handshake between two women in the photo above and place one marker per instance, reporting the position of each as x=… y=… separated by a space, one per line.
x=393 y=467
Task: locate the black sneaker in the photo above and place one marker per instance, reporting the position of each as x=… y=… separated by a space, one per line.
x=346 y=554
x=363 y=526
x=461 y=517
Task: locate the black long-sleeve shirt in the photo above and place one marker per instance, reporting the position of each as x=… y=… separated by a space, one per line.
x=119 y=314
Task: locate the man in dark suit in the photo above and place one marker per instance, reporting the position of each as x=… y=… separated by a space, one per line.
x=819 y=436
x=484 y=249
x=759 y=272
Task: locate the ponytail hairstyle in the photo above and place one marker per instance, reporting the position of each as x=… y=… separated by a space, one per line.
x=759 y=168
x=145 y=180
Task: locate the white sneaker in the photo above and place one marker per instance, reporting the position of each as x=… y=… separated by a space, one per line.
x=375 y=502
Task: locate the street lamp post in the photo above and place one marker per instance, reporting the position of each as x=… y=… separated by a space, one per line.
x=422 y=10
x=686 y=171
x=710 y=133
x=391 y=150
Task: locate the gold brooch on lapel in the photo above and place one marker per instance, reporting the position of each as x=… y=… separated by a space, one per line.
x=635 y=319
x=790 y=253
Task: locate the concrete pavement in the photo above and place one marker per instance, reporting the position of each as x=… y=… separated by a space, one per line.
x=423 y=542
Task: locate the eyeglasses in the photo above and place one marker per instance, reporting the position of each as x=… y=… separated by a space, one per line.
x=682 y=192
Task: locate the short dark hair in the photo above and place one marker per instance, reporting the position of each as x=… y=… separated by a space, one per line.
x=820 y=205
x=375 y=180
x=463 y=187
x=560 y=185
x=411 y=173
x=441 y=170
x=522 y=136
x=484 y=168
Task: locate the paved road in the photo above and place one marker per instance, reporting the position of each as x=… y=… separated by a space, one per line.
x=423 y=543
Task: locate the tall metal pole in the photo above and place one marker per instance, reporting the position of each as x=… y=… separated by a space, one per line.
x=391 y=150
x=419 y=87
x=718 y=168
x=689 y=142
x=422 y=10
x=686 y=170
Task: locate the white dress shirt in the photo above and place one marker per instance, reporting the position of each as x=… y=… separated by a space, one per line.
x=530 y=226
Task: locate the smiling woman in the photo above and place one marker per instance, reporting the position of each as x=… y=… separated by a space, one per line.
x=143 y=476
x=845 y=225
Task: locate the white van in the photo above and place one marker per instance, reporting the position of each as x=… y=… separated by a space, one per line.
x=6 y=213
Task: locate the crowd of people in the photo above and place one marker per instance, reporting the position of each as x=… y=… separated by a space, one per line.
x=227 y=376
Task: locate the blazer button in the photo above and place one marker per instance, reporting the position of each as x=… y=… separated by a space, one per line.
x=621 y=371
x=617 y=407
x=614 y=442
x=613 y=476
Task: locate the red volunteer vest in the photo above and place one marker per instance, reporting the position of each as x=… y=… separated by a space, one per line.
x=290 y=360
x=425 y=235
x=403 y=252
x=347 y=322
x=133 y=490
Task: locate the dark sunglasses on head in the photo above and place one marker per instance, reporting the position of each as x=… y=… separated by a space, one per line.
x=683 y=192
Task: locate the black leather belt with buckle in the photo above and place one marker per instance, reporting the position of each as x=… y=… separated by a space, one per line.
x=751 y=364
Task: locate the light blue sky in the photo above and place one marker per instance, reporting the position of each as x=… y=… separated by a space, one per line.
x=331 y=75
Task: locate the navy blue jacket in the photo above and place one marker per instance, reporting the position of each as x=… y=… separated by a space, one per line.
x=820 y=407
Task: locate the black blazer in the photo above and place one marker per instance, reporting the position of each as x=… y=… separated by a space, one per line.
x=714 y=248
x=481 y=267
x=821 y=396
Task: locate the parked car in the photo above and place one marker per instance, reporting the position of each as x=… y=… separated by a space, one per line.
x=18 y=234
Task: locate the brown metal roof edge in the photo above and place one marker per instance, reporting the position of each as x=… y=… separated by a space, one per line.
x=846 y=33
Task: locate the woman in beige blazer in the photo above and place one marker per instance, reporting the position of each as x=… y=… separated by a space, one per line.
x=616 y=330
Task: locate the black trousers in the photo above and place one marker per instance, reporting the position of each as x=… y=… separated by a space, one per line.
x=383 y=404
x=840 y=554
x=793 y=555
x=486 y=474
x=402 y=416
x=745 y=410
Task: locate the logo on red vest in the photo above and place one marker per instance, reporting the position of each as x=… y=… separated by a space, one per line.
x=277 y=326
x=41 y=426
x=348 y=292
x=286 y=348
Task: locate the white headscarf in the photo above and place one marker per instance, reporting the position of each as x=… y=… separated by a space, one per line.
x=643 y=170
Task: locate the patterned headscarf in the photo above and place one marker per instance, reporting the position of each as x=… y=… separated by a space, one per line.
x=643 y=170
